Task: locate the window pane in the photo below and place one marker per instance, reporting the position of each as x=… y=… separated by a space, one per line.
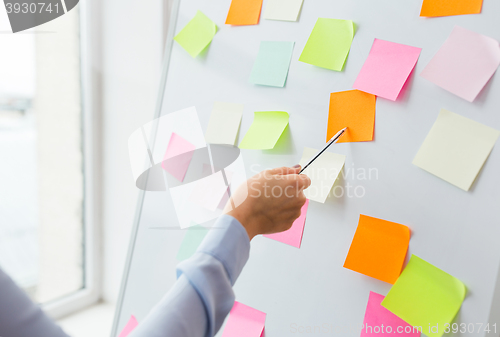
x=41 y=177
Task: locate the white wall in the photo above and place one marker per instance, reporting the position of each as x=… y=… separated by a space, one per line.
x=131 y=34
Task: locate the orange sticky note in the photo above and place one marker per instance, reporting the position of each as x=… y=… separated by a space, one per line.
x=355 y=110
x=244 y=12
x=450 y=7
x=378 y=249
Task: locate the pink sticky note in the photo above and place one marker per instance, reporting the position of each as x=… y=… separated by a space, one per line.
x=244 y=321
x=381 y=322
x=464 y=64
x=293 y=236
x=131 y=325
x=178 y=156
x=387 y=68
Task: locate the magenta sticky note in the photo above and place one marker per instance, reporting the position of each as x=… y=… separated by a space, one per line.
x=131 y=325
x=178 y=156
x=244 y=321
x=293 y=236
x=381 y=322
x=464 y=63
x=387 y=68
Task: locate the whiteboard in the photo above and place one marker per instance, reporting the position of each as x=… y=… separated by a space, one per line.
x=454 y=230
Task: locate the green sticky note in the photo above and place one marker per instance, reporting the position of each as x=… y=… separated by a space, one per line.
x=329 y=44
x=425 y=296
x=456 y=149
x=194 y=236
x=271 y=66
x=197 y=34
x=265 y=130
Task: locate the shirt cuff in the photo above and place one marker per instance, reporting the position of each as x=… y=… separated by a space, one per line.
x=229 y=243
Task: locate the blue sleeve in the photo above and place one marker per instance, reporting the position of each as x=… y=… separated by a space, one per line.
x=200 y=300
x=19 y=316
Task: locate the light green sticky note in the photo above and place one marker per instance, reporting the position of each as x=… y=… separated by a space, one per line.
x=329 y=44
x=425 y=296
x=456 y=148
x=323 y=173
x=194 y=236
x=265 y=130
x=197 y=34
x=271 y=66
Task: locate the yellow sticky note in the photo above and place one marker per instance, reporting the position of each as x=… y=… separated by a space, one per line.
x=197 y=34
x=378 y=249
x=355 y=110
x=450 y=7
x=456 y=148
x=265 y=130
x=329 y=44
x=425 y=296
x=323 y=172
x=244 y=12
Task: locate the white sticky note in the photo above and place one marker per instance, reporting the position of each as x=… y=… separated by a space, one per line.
x=323 y=172
x=224 y=123
x=283 y=10
x=456 y=148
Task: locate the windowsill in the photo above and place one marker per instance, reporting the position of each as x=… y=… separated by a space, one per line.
x=95 y=321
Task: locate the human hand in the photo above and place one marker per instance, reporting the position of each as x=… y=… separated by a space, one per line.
x=274 y=200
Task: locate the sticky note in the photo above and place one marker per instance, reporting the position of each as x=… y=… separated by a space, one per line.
x=131 y=325
x=425 y=295
x=323 y=173
x=355 y=110
x=329 y=44
x=464 y=63
x=265 y=130
x=284 y=10
x=381 y=322
x=387 y=68
x=450 y=7
x=178 y=156
x=244 y=12
x=456 y=148
x=210 y=190
x=378 y=249
x=192 y=239
x=224 y=123
x=197 y=34
x=244 y=321
x=271 y=66
x=293 y=236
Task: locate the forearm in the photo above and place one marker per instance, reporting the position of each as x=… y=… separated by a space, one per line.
x=202 y=296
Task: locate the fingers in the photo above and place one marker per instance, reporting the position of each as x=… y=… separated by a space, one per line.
x=284 y=170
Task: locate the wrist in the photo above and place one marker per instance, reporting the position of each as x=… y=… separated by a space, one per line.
x=250 y=221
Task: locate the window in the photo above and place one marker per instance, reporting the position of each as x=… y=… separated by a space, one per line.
x=45 y=238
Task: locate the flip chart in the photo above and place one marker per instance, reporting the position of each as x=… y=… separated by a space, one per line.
x=425 y=296
x=378 y=318
x=244 y=321
x=194 y=236
x=293 y=236
x=355 y=110
x=178 y=156
x=453 y=7
x=197 y=34
x=224 y=123
x=464 y=64
x=244 y=12
x=329 y=44
x=456 y=148
x=265 y=130
x=284 y=10
x=271 y=66
x=387 y=69
x=131 y=325
x=323 y=173
x=378 y=249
